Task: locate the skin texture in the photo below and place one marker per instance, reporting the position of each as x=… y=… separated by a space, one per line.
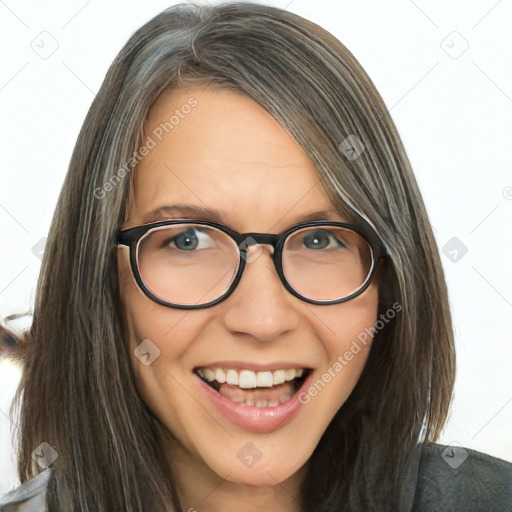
x=229 y=154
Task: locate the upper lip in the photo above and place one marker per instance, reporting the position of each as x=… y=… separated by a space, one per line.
x=255 y=367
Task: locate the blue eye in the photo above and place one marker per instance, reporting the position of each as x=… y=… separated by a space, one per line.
x=321 y=239
x=191 y=239
x=187 y=240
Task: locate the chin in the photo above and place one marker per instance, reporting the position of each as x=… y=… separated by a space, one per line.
x=258 y=463
x=262 y=476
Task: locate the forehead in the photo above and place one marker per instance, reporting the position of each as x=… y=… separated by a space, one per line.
x=218 y=149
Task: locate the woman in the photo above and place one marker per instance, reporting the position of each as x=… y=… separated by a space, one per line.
x=241 y=299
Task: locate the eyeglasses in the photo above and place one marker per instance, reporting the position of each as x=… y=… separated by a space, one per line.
x=191 y=264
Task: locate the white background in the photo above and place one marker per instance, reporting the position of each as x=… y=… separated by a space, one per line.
x=452 y=108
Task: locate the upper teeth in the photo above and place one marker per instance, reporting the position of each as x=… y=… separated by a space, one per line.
x=248 y=379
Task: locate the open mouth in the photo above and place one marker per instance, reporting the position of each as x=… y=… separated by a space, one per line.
x=257 y=389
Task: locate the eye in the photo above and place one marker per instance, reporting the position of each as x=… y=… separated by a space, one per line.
x=322 y=239
x=190 y=240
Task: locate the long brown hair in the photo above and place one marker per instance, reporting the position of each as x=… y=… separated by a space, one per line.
x=77 y=392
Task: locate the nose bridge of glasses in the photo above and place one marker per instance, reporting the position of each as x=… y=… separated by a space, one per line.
x=250 y=239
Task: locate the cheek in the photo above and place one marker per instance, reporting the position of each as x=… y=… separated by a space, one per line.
x=346 y=331
x=341 y=325
x=150 y=332
x=154 y=350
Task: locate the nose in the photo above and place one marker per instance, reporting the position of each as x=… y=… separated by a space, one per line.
x=261 y=306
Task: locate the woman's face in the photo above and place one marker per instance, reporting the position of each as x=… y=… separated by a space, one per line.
x=226 y=154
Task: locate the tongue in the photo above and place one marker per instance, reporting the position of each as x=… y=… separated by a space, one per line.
x=278 y=394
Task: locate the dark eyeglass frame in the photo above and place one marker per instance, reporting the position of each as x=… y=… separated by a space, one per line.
x=131 y=237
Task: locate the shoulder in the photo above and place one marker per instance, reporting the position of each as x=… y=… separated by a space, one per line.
x=29 y=496
x=455 y=478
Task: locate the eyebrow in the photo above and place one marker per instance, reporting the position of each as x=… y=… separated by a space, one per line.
x=186 y=211
x=183 y=211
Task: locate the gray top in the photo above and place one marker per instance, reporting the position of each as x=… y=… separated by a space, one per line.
x=456 y=479
x=29 y=496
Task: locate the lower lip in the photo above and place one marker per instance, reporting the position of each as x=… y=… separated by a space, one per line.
x=256 y=419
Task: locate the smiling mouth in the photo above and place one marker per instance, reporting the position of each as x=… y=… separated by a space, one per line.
x=260 y=389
